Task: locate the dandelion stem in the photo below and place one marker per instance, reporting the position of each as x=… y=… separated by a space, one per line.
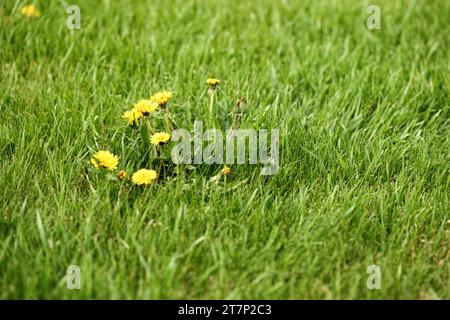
x=150 y=127
x=211 y=103
x=168 y=123
x=161 y=162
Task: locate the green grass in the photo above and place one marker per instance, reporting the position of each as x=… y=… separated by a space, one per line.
x=364 y=170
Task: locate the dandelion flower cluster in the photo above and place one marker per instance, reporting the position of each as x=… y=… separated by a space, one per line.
x=144 y=107
x=144 y=177
x=160 y=138
x=162 y=97
x=105 y=159
x=30 y=11
x=138 y=116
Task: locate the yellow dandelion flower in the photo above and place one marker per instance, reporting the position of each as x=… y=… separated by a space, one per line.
x=226 y=171
x=105 y=159
x=30 y=11
x=146 y=106
x=122 y=174
x=132 y=116
x=213 y=82
x=144 y=176
x=162 y=97
x=160 y=138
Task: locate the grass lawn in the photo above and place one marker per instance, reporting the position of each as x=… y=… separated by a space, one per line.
x=364 y=120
